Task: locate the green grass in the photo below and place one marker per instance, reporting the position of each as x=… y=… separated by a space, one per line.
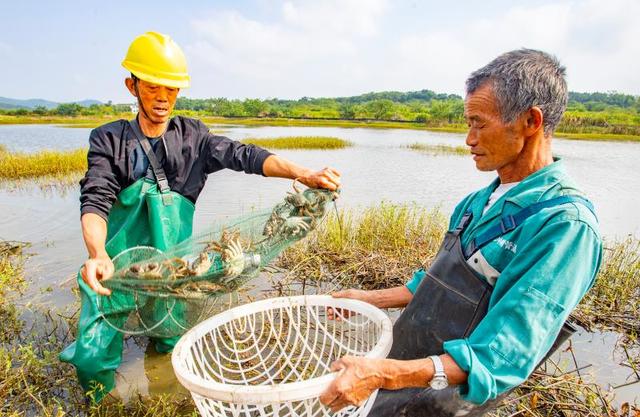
x=440 y=149
x=49 y=164
x=67 y=121
x=299 y=142
x=602 y=137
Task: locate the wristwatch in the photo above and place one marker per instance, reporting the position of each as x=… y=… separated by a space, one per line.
x=439 y=380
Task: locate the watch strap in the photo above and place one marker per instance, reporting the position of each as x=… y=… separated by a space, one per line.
x=438 y=366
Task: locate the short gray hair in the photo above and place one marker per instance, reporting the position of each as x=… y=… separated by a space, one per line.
x=523 y=79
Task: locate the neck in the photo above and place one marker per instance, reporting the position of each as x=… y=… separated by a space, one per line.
x=150 y=128
x=535 y=155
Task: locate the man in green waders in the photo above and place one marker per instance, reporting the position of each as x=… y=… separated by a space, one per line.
x=518 y=257
x=143 y=180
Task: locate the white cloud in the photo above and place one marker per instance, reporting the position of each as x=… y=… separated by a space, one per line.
x=347 y=47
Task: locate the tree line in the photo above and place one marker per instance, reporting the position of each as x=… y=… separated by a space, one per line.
x=424 y=106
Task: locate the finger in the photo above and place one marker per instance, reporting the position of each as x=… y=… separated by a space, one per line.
x=332 y=177
x=92 y=280
x=324 y=182
x=107 y=270
x=339 y=404
x=329 y=396
x=340 y=294
x=336 y=366
x=333 y=171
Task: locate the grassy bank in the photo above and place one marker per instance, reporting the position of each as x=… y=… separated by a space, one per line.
x=381 y=247
x=45 y=169
x=299 y=142
x=440 y=149
x=375 y=248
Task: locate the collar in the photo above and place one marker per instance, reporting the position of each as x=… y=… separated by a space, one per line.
x=529 y=191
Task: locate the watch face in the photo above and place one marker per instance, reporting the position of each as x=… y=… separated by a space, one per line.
x=439 y=383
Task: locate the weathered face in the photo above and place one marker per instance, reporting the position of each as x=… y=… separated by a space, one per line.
x=158 y=100
x=494 y=144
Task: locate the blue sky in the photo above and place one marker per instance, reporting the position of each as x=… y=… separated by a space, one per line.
x=72 y=50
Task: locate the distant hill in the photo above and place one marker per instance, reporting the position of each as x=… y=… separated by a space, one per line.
x=32 y=103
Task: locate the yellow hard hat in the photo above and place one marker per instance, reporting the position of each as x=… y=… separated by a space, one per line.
x=157 y=59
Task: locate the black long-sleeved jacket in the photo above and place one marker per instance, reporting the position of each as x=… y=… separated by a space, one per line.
x=191 y=154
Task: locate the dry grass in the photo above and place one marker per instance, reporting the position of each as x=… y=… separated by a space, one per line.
x=44 y=164
x=377 y=248
x=440 y=149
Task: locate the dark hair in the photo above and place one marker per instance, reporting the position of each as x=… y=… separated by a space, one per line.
x=522 y=79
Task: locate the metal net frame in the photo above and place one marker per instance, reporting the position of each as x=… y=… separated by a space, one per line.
x=164 y=293
x=273 y=357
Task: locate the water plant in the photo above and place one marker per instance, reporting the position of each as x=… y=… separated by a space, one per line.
x=53 y=164
x=299 y=142
x=439 y=149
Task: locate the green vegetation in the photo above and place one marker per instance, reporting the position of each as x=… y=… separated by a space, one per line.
x=50 y=164
x=381 y=247
x=612 y=303
x=589 y=116
x=440 y=149
x=375 y=248
x=299 y=142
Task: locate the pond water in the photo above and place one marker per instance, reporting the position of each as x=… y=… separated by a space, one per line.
x=378 y=167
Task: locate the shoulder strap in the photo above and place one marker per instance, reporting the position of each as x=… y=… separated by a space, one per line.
x=510 y=222
x=158 y=171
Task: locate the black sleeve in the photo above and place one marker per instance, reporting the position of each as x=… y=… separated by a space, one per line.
x=99 y=187
x=223 y=152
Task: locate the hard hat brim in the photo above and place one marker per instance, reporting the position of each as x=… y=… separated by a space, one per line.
x=166 y=79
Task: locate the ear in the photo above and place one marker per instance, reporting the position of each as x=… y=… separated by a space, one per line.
x=129 y=82
x=533 y=121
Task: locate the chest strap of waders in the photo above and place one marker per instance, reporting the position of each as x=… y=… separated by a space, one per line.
x=158 y=172
x=509 y=222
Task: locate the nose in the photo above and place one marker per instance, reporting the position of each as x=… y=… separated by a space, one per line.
x=162 y=94
x=472 y=138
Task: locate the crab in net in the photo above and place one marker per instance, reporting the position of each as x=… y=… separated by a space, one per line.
x=298 y=214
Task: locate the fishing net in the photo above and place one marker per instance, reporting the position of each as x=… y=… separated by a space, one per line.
x=165 y=293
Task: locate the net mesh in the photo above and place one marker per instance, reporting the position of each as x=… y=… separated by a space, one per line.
x=163 y=294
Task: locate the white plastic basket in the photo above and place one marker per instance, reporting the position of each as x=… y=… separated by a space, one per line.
x=272 y=357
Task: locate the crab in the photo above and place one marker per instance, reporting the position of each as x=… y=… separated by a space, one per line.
x=303 y=205
x=149 y=270
x=231 y=252
x=201 y=265
x=297 y=226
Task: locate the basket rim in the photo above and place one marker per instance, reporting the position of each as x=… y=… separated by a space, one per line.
x=269 y=394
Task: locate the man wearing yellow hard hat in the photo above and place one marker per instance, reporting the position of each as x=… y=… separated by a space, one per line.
x=143 y=179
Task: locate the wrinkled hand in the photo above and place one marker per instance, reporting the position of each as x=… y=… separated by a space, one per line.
x=96 y=270
x=357 y=380
x=328 y=178
x=362 y=295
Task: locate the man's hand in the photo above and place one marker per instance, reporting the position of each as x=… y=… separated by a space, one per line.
x=357 y=380
x=388 y=298
x=362 y=295
x=328 y=178
x=96 y=270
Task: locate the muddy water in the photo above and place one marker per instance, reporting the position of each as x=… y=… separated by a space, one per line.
x=376 y=168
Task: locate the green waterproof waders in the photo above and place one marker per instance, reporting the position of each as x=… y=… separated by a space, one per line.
x=146 y=214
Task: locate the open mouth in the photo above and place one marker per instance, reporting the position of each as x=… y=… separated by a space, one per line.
x=160 y=110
